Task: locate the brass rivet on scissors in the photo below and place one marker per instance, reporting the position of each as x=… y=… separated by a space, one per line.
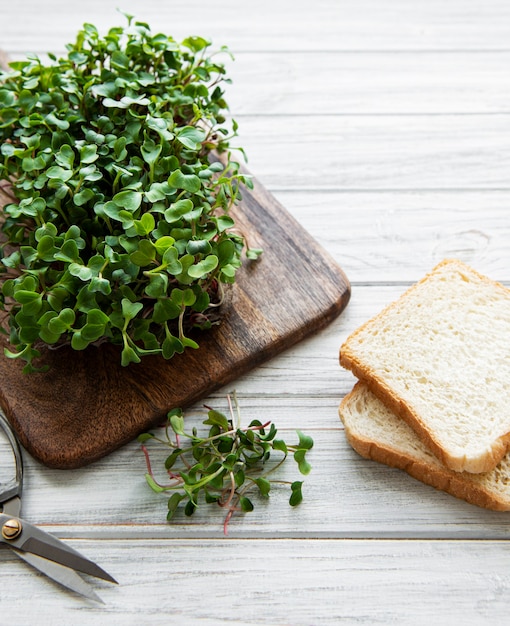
x=11 y=529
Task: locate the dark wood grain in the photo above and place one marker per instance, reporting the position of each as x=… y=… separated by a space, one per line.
x=87 y=404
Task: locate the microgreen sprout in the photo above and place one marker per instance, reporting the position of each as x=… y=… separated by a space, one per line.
x=225 y=467
x=118 y=226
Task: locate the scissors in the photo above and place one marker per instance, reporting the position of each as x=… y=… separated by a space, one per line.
x=35 y=546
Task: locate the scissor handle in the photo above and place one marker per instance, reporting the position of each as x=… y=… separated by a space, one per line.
x=14 y=486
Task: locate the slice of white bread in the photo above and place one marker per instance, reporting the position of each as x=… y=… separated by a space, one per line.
x=439 y=357
x=378 y=434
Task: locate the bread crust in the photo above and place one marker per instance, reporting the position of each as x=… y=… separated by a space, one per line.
x=456 y=484
x=379 y=388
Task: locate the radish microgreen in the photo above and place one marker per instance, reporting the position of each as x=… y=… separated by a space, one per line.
x=118 y=225
x=226 y=467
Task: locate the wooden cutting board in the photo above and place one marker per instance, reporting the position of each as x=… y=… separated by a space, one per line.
x=87 y=404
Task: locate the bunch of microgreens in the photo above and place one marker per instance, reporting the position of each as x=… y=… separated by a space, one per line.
x=119 y=227
x=226 y=466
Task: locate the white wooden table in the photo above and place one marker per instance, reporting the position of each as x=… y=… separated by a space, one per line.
x=384 y=127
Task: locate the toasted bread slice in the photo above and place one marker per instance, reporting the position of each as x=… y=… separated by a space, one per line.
x=378 y=434
x=439 y=357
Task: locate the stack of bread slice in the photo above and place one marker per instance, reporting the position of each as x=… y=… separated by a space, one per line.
x=433 y=396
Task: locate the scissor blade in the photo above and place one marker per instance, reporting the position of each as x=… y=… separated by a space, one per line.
x=37 y=541
x=53 y=549
x=61 y=574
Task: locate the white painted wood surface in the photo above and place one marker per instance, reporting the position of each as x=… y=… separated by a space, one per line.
x=384 y=127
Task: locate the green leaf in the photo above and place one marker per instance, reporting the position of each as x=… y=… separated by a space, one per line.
x=183 y=297
x=177 y=210
x=130 y=309
x=190 y=508
x=215 y=418
x=158 y=192
x=230 y=462
x=47 y=229
x=46 y=249
x=88 y=154
x=82 y=197
x=59 y=173
x=200 y=246
x=128 y=199
x=68 y=252
x=296 y=495
x=188 y=182
x=47 y=336
x=200 y=269
x=100 y=285
x=28 y=254
x=172 y=458
x=239 y=478
x=26 y=297
x=173 y=504
x=52 y=120
x=189 y=343
x=144 y=437
x=171 y=345
x=144 y=255
x=81 y=271
x=163 y=243
x=158 y=286
x=246 y=504
x=61 y=322
x=264 y=486
x=153 y=484
x=223 y=222
x=78 y=342
x=150 y=151
x=145 y=224
x=128 y=355
x=191 y=137
x=279 y=444
x=65 y=156
x=254 y=253
x=166 y=309
x=177 y=423
x=225 y=252
x=304 y=466
x=305 y=441
x=56 y=298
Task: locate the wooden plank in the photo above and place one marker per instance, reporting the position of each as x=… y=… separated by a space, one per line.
x=341 y=83
x=328 y=25
x=299 y=582
x=390 y=236
x=395 y=152
x=345 y=496
x=76 y=412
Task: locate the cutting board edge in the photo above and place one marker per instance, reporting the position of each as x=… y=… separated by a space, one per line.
x=55 y=457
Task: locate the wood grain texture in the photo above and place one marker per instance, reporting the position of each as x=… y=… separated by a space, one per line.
x=379 y=152
x=345 y=496
x=281 y=25
x=382 y=82
x=87 y=404
x=399 y=236
x=243 y=583
x=382 y=126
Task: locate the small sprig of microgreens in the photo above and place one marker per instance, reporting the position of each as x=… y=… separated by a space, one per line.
x=227 y=466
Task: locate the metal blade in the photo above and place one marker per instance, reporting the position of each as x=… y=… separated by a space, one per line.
x=12 y=507
x=61 y=574
x=41 y=543
x=60 y=553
